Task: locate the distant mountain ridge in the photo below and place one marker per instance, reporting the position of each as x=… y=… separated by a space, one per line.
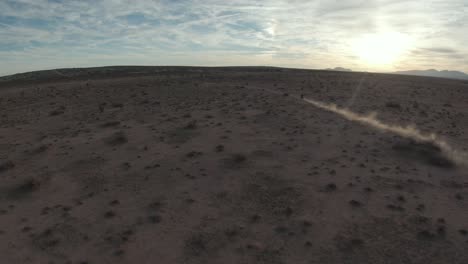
x=339 y=69
x=436 y=73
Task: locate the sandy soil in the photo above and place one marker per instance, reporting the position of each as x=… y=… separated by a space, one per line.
x=229 y=165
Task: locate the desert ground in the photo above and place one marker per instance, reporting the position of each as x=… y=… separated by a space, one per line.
x=230 y=165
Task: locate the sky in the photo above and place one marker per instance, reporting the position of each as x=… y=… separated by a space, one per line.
x=371 y=35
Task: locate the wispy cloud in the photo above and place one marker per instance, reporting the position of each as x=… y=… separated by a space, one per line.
x=36 y=34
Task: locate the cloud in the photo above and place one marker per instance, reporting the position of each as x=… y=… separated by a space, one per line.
x=314 y=34
x=440 y=50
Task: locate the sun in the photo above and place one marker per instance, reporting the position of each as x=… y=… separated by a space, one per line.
x=381 y=49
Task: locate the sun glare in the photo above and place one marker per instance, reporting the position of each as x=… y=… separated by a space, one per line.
x=381 y=49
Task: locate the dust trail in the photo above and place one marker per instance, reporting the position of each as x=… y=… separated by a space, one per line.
x=59 y=73
x=409 y=131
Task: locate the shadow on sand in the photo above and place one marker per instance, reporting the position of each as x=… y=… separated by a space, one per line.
x=426 y=152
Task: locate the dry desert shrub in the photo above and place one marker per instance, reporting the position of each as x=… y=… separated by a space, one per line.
x=117 y=138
